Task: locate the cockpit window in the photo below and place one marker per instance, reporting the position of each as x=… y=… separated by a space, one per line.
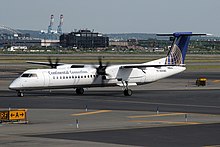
x=27 y=75
x=33 y=75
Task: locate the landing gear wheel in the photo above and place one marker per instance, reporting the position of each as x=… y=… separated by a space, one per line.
x=20 y=94
x=127 y=92
x=79 y=91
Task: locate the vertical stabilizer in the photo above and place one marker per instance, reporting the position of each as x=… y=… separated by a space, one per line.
x=177 y=52
x=179 y=48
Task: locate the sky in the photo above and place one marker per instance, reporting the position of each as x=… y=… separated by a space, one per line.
x=114 y=16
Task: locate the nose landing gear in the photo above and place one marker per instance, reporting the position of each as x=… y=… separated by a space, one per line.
x=20 y=94
x=79 y=91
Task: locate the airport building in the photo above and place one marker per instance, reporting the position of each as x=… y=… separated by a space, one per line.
x=17 y=38
x=84 y=39
x=7 y=41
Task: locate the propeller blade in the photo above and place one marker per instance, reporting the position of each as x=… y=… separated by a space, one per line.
x=100 y=61
x=107 y=64
x=57 y=61
x=102 y=78
x=101 y=71
x=51 y=64
x=49 y=59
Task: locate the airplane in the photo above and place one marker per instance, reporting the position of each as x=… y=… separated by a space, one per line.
x=80 y=76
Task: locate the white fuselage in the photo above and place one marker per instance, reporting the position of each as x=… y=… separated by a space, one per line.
x=66 y=77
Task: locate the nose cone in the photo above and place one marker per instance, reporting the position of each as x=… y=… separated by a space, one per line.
x=15 y=85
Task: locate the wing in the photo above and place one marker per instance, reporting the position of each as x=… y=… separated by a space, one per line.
x=57 y=64
x=43 y=63
x=145 y=65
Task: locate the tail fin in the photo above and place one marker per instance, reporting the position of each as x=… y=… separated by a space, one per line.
x=177 y=52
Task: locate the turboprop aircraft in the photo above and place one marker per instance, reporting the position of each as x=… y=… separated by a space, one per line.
x=80 y=76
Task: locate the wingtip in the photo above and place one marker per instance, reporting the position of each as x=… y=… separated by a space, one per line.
x=209 y=35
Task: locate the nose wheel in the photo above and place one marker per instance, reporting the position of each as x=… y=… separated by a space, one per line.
x=79 y=91
x=20 y=94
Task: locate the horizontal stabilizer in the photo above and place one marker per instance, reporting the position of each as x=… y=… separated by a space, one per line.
x=176 y=34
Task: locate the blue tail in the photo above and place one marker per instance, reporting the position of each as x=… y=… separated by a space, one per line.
x=177 y=53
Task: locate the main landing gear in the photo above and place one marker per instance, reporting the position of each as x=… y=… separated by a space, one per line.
x=127 y=91
x=20 y=94
x=79 y=91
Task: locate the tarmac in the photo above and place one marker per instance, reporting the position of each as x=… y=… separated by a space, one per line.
x=170 y=112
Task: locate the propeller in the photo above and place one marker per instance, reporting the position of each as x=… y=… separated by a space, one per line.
x=101 y=70
x=53 y=65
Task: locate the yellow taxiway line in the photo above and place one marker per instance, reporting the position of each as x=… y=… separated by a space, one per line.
x=165 y=122
x=156 y=115
x=90 y=113
x=216 y=81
